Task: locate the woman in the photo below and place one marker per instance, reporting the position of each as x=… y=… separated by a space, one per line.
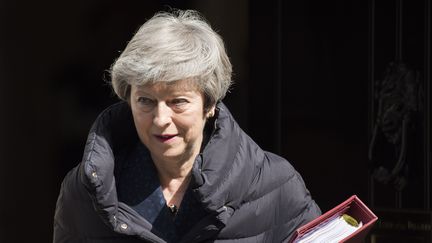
x=170 y=164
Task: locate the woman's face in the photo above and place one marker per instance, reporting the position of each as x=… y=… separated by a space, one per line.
x=169 y=119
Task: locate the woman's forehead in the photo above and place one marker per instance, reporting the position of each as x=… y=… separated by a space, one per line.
x=171 y=86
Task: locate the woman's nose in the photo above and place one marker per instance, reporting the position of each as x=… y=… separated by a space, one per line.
x=162 y=115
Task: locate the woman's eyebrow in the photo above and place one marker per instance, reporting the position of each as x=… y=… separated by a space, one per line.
x=141 y=92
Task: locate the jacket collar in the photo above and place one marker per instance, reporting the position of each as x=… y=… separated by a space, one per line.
x=212 y=173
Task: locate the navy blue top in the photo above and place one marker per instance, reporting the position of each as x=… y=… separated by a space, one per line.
x=138 y=186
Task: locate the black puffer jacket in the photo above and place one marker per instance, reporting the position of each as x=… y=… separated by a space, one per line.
x=251 y=195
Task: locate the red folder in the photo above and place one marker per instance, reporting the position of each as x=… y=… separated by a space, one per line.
x=354 y=207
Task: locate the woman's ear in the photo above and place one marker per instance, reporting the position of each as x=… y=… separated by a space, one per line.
x=211 y=112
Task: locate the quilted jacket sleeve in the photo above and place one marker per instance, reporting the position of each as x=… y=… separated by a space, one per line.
x=65 y=230
x=75 y=218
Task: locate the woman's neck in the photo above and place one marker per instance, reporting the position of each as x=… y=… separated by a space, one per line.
x=173 y=169
x=174 y=177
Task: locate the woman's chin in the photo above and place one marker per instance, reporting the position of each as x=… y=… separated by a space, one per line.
x=167 y=154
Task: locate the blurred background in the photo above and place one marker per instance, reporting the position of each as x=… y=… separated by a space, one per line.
x=309 y=85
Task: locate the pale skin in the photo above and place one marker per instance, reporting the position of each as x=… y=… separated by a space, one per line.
x=170 y=120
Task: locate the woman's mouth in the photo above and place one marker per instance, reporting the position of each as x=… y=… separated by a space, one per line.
x=165 y=137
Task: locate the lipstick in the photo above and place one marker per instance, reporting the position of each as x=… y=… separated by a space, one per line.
x=165 y=137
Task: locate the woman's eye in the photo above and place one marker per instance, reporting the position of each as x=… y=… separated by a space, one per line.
x=144 y=101
x=179 y=102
